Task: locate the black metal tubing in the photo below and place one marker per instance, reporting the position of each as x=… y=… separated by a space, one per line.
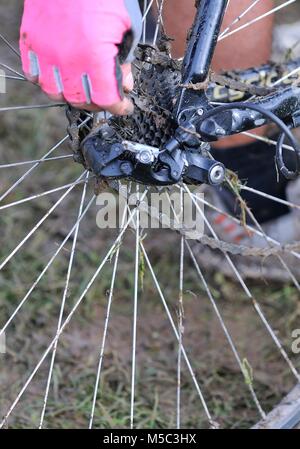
x=204 y=36
x=199 y=52
x=284 y=104
x=203 y=40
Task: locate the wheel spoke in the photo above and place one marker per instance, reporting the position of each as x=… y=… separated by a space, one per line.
x=135 y=308
x=180 y=308
x=257 y=19
x=167 y=310
x=11 y=77
x=249 y=294
x=10 y=69
x=3 y=38
x=40 y=222
x=245 y=225
x=101 y=357
x=62 y=308
x=49 y=159
x=270 y=197
x=267 y=140
x=228 y=4
x=70 y=315
x=219 y=316
x=159 y=21
x=239 y=18
x=104 y=337
x=225 y=330
x=147 y=10
x=48 y=265
x=285 y=77
x=180 y=325
x=21 y=179
x=187 y=254
x=33 y=106
x=40 y=195
x=265 y=236
x=26 y=174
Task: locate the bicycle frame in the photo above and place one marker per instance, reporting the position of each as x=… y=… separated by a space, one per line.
x=284 y=104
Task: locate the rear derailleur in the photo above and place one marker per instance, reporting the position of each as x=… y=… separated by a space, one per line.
x=110 y=158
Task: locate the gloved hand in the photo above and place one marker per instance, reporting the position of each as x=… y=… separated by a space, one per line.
x=71 y=48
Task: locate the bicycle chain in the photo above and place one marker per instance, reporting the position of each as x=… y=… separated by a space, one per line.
x=231 y=83
x=151 y=55
x=242 y=250
x=211 y=242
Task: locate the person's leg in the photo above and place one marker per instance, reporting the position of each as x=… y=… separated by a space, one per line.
x=252 y=46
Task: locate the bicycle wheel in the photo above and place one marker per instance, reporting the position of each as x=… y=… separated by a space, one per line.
x=135 y=327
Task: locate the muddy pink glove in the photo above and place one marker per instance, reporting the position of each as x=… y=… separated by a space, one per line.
x=71 y=48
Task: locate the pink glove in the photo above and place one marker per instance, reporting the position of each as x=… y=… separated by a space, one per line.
x=71 y=47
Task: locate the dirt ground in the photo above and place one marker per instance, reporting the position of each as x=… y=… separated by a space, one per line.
x=222 y=383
